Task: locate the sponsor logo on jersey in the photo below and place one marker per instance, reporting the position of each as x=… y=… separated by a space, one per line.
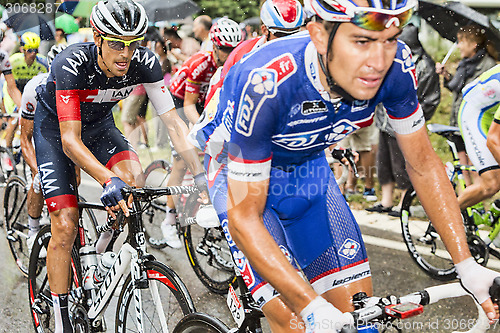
x=358 y=105
x=107 y=95
x=349 y=249
x=262 y=84
x=65 y=98
x=74 y=62
x=490 y=93
x=309 y=107
x=351 y=278
x=30 y=107
x=147 y=60
x=286 y=253
x=45 y=172
x=407 y=65
x=244 y=268
x=306 y=121
x=225 y=227
x=340 y=130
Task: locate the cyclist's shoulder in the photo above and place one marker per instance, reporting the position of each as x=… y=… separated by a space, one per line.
x=17 y=59
x=143 y=59
x=486 y=86
x=74 y=59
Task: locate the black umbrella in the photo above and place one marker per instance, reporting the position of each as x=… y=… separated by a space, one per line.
x=31 y=22
x=168 y=10
x=448 y=18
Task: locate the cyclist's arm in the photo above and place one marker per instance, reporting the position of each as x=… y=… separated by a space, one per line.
x=190 y=111
x=493 y=140
x=424 y=167
x=12 y=89
x=246 y=202
x=27 y=145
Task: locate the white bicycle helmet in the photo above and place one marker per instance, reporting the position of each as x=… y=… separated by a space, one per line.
x=282 y=15
x=225 y=33
x=119 y=18
x=55 y=50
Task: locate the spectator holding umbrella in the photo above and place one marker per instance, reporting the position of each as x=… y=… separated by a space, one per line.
x=478 y=55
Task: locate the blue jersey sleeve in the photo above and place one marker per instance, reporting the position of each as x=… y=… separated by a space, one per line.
x=252 y=96
x=399 y=93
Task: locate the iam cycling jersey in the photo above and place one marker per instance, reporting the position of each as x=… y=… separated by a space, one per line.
x=274 y=120
x=194 y=76
x=78 y=90
x=22 y=74
x=477 y=111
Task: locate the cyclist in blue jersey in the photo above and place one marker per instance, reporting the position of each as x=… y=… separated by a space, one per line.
x=268 y=178
x=74 y=125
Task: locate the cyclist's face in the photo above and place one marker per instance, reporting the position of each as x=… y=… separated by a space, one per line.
x=30 y=55
x=221 y=55
x=359 y=58
x=117 y=61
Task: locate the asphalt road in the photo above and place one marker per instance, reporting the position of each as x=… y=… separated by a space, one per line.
x=393 y=273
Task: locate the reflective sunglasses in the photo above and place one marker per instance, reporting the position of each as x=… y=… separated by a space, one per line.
x=378 y=20
x=119 y=44
x=32 y=50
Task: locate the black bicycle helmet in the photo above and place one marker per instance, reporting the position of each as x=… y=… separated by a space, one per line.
x=119 y=18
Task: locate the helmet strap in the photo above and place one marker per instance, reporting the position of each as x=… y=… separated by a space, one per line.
x=334 y=87
x=100 y=54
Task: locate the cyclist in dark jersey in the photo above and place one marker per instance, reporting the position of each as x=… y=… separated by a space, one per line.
x=74 y=125
x=268 y=177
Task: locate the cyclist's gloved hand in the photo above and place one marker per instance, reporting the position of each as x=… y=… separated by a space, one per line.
x=476 y=279
x=112 y=193
x=322 y=317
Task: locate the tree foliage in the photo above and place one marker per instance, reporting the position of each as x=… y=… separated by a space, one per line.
x=237 y=10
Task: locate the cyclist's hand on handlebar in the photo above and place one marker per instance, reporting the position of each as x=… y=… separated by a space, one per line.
x=112 y=196
x=200 y=181
x=320 y=316
x=477 y=280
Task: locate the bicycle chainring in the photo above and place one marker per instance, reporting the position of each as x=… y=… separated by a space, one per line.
x=478 y=249
x=81 y=323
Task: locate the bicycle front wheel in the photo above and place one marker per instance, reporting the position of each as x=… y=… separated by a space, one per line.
x=164 y=301
x=208 y=252
x=40 y=299
x=16 y=221
x=200 y=323
x=424 y=243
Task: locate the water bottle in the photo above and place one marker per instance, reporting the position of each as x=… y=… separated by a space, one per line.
x=88 y=260
x=103 y=267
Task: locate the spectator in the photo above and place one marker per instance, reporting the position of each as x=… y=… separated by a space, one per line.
x=201 y=29
x=390 y=161
x=175 y=54
x=478 y=55
x=60 y=37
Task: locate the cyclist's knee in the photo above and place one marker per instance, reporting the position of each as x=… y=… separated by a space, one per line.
x=64 y=228
x=281 y=318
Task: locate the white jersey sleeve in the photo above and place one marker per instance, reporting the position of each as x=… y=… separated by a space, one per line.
x=160 y=96
x=5 y=66
x=28 y=101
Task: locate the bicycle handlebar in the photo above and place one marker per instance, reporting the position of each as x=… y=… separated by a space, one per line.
x=381 y=313
x=340 y=154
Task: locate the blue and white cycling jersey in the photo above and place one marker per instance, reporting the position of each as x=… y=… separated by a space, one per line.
x=273 y=109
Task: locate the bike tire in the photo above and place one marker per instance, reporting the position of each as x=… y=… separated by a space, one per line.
x=40 y=300
x=7 y=165
x=176 y=300
x=200 y=323
x=16 y=221
x=208 y=252
x=424 y=244
x=156 y=175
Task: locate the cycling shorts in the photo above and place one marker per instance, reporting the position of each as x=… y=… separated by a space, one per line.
x=310 y=221
x=57 y=171
x=474 y=128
